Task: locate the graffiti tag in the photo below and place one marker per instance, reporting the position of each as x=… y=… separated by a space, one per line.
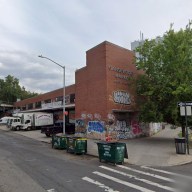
x=121 y=97
x=95 y=126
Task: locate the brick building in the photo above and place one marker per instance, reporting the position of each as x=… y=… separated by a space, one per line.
x=102 y=101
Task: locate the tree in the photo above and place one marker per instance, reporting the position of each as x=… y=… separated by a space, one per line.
x=10 y=90
x=167 y=77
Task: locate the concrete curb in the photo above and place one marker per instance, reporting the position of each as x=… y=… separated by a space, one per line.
x=92 y=150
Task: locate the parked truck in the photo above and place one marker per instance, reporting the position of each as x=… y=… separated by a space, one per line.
x=37 y=120
x=22 y=119
x=58 y=128
x=13 y=123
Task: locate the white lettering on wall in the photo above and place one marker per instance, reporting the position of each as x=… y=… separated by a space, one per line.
x=51 y=105
x=121 y=97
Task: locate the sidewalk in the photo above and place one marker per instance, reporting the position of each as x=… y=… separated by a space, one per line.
x=158 y=150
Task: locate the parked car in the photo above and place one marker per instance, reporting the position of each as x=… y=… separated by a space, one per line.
x=58 y=128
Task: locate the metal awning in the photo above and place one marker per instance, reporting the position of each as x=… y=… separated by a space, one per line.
x=5 y=105
x=69 y=106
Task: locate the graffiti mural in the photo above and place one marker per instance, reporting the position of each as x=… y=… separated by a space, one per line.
x=83 y=115
x=123 y=130
x=111 y=116
x=97 y=116
x=80 y=127
x=90 y=116
x=95 y=126
x=96 y=129
x=121 y=97
x=136 y=129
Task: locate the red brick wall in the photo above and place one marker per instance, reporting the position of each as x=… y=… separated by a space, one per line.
x=81 y=91
x=50 y=95
x=96 y=83
x=120 y=58
x=91 y=85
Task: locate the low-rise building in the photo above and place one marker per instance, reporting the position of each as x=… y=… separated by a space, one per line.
x=102 y=101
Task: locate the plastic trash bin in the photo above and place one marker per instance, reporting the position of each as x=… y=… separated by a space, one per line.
x=113 y=152
x=77 y=145
x=59 y=141
x=180 y=145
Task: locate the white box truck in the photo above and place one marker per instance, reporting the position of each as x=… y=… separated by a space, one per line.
x=24 y=122
x=37 y=120
x=13 y=122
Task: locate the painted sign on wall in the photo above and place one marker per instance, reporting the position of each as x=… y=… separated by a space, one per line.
x=121 y=97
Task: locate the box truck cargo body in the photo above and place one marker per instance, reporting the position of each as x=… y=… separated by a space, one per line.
x=42 y=119
x=36 y=120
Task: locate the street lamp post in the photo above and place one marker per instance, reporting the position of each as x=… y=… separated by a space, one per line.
x=63 y=88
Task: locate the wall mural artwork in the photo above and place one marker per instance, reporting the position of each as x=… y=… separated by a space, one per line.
x=122 y=129
x=121 y=97
x=136 y=128
x=97 y=116
x=90 y=125
x=80 y=127
x=96 y=129
x=95 y=126
x=83 y=115
x=90 y=116
x=111 y=117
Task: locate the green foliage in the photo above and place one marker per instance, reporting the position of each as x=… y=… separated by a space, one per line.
x=167 y=78
x=10 y=90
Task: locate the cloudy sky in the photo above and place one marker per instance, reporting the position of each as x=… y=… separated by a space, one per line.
x=64 y=30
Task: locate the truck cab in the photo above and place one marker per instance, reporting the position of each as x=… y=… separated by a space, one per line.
x=26 y=125
x=15 y=124
x=9 y=121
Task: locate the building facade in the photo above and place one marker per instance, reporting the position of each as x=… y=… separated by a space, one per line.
x=103 y=101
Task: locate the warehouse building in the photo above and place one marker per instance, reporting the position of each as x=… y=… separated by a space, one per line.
x=102 y=102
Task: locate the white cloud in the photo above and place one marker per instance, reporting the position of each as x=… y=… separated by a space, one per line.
x=64 y=30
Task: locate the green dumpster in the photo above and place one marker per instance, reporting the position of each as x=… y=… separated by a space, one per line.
x=113 y=152
x=77 y=145
x=59 y=141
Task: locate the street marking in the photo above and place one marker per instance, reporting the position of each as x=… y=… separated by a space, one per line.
x=138 y=179
x=101 y=185
x=148 y=174
x=123 y=182
x=51 y=190
x=166 y=172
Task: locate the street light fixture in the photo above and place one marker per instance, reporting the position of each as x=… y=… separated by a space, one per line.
x=63 y=88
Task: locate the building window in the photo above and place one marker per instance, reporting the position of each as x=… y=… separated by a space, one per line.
x=67 y=99
x=38 y=104
x=30 y=106
x=72 y=98
x=47 y=101
x=60 y=98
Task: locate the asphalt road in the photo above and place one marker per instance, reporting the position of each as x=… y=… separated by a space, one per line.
x=27 y=165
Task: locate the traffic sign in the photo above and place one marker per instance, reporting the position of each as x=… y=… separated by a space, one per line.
x=182 y=104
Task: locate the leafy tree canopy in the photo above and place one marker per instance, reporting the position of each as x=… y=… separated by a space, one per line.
x=167 y=77
x=10 y=90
